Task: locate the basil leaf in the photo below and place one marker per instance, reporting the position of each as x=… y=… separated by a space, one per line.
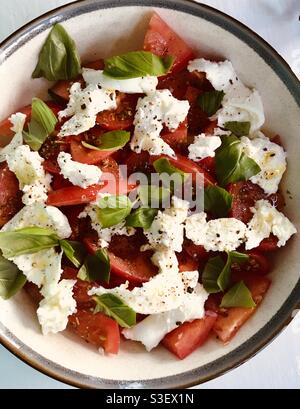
x=11 y=279
x=142 y=217
x=153 y=196
x=74 y=251
x=26 y=241
x=238 y=296
x=232 y=164
x=238 y=128
x=110 y=141
x=210 y=102
x=137 y=64
x=163 y=165
x=216 y=275
x=96 y=267
x=42 y=124
x=211 y=273
x=115 y=308
x=113 y=210
x=217 y=201
x=59 y=58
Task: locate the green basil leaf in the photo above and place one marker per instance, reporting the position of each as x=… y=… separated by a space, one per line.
x=238 y=128
x=211 y=273
x=42 y=124
x=238 y=296
x=210 y=102
x=110 y=141
x=239 y=258
x=232 y=164
x=137 y=64
x=59 y=58
x=217 y=201
x=163 y=165
x=225 y=275
x=142 y=217
x=96 y=267
x=113 y=210
x=26 y=241
x=115 y=308
x=74 y=251
x=153 y=196
x=11 y=279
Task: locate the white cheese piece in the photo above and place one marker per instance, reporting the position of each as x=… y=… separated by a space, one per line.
x=239 y=103
x=216 y=235
x=28 y=168
x=204 y=146
x=56 y=307
x=164 y=292
x=268 y=220
x=18 y=121
x=41 y=268
x=152 y=112
x=83 y=107
x=141 y=85
x=43 y=216
x=166 y=260
x=105 y=234
x=270 y=157
x=167 y=228
x=78 y=174
x=153 y=329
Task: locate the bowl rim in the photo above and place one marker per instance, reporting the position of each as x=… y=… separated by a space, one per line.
x=281 y=318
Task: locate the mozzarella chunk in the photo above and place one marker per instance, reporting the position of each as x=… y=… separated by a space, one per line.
x=204 y=146
x=56 y=307
x=240 y=103
x=83 y=107
x=78 y=174
x=166 y=260
x=164 y=292
x=105 y=234
x=141 y=85
x=153 y=329
x=270 y=157
x=215 y=235
x=43 y=216
x=41 y=268
x=152 y=112
x=28 y=168
x=167 y=228
x=268 y=220
x=18 y=121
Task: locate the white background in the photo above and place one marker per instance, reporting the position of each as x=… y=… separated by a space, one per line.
x=278 y=366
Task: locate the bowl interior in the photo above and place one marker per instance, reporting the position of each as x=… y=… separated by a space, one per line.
x=65 y=355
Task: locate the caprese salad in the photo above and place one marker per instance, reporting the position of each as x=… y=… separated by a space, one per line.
x=107 y=266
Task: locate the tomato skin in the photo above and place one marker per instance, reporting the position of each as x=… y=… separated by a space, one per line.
x=231 y=320
x=81 y=288
x=197 y=252
x=177 y=140
x=268 y=245
x=177 y=83
x=162 y=40
x=96 y=329
x=186 y=262
x=74 y=195
x=139 y=270
x=139 y=162
x=189 y=336
x=88 y=156
x=10 y=195
x=5 y=126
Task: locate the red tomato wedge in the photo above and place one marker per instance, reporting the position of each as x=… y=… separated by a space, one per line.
x=97 y=329
x=137 y=269
x=88 y=156
x=189 y=336
x=178 y=140
x=197 y=252
x=10 y=195
x=268 y=245
x=187 y=262
x=257 y=264
x=231 y=320
x=5 y=126
x=74 y=195
x=81 y=288
x=162 y=40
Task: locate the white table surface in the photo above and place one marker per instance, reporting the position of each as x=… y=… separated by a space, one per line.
x=278 y=366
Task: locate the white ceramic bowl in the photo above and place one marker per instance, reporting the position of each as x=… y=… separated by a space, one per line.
x=101 y=29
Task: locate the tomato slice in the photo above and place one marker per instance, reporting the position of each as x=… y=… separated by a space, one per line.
x=187 y=262
x=5 y=126
x=74 y=195
x=97 y=329
x=121 y=118
x=162 y=40
x=177 y=83
x=231 y=320
x=198 y=120
x=134 y=266
x=81 y=288
x=10 y=195
x=269 y=245
x=257 y=264
x=197 y=252
x=139 y=162
x=87 y=156
x=189 y=336
x=78 y=226
x=178 y=140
